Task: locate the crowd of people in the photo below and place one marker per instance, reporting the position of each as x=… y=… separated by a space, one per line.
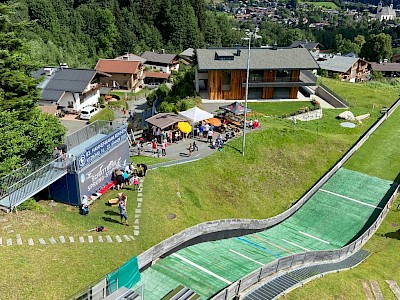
x=129 y=175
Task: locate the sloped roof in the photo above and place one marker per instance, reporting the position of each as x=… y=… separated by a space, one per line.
x=158 y=58
x=117 y=66
x=260 y=59
x=156 y=74
x=304 y=44
x=337 y=63
x=385 y=67
x=195 y=114
x=131 y=56
x=64 y=80
x=189 y=52
x=51 y=95
x=164 y=120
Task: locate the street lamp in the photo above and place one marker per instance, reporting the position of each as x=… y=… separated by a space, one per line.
x=248 y=38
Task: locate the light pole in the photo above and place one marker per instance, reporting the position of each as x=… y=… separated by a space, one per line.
x=249 y=36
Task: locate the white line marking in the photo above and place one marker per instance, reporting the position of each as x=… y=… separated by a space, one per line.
x=201 y=268
x=314 y=237
x=351 y=199
x=242 y=255
x=296 y=245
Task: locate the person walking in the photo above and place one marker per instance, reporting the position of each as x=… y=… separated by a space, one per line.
x=122 y=209
x=194 y=146
x=209 y=136
x=206 y=129
x=154 y=147
x=190 y=149
x=164 y=147
x=135 y=182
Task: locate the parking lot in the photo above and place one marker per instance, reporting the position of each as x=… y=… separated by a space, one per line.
x=72 y=123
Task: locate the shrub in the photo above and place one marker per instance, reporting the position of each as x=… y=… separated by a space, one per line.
x=30 y=204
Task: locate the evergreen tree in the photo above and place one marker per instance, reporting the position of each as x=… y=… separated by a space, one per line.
x=25 y=132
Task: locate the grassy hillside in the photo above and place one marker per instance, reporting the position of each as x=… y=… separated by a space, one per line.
x=281 y=163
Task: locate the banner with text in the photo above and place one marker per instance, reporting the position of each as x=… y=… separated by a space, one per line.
x=97 y=175
x=103 y=146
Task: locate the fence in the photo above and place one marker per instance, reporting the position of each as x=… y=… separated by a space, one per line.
x=99 y=126
x=205 y=229
x=173 y=242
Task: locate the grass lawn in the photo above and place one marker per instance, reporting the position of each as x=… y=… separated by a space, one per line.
x=377 y=157
x=148 y=160
x=281 y=163
x=278 y=108
x=324 y=4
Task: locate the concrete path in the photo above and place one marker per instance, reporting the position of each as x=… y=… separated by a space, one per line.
x=19 y=241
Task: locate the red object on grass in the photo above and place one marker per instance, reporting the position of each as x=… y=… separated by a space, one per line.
x=107 y=187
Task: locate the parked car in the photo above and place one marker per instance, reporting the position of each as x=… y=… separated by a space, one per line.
x=88 y=112
x=152 y=85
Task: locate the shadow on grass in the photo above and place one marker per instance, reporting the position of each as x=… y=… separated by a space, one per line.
x=111 y=213
x=108 y=219
x=232 y=147
x=393 y=235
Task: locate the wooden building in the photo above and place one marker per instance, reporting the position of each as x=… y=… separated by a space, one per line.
x=346 y=68
x=273 y=73
x=120 y=74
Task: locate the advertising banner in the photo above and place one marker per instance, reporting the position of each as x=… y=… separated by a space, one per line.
x=99 y=173
x=101 y=147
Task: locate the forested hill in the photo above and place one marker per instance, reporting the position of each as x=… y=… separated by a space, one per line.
x=78 y=32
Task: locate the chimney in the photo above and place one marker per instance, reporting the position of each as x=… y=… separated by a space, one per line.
x=238 y=52
x=275 y=46
x=162 y=51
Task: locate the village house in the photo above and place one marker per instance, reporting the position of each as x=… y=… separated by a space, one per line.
x=310 y=46
x=161 y=62
x=274 y=73
x=72 y=89
x=386 y=68
x=346 y=68
x=120 y=73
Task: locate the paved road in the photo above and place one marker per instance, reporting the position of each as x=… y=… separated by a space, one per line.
x=73 y=125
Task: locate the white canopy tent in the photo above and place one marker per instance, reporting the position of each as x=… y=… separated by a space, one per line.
x=195 y=114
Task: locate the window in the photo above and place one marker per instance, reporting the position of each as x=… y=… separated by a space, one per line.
x=226 y=80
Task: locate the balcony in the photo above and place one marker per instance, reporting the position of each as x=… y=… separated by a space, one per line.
x=306 y=79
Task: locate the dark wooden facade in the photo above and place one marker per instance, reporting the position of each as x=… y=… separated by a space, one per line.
x=237 y=90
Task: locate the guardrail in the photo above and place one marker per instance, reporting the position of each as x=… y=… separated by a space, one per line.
x=302 y=259
x=297 y=260
x=85 y=133
x=184 y=236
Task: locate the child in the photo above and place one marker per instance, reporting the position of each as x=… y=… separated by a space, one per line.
x=195 y=146
x=135 y=182
x=190 y=149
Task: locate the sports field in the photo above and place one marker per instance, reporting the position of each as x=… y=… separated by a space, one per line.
x=334 y=216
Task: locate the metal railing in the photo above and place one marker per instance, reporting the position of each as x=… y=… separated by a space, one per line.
x=302 y=259
x=176 y=240
x=297 y=260
x=99 y=126
x=28 y=186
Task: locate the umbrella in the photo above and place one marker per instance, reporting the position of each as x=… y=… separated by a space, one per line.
x=214 y=122
x=184 y=127
x=236 y=108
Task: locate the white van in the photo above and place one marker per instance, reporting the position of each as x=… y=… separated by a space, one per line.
x=88 y=112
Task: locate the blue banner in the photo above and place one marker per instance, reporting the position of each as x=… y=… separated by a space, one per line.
x=103 y=146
